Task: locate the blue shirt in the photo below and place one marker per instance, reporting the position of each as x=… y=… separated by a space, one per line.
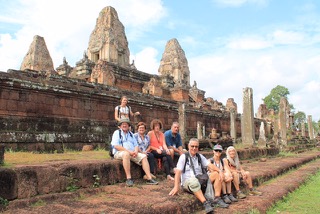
x=171 y=140
x=143 y=144
x=126 y=140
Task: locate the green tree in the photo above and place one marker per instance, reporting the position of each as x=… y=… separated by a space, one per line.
x=299 y=118
x=272 y=101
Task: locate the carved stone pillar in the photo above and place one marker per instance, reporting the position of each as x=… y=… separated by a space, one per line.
x=233 y=131
x=283 y=120
x=182 y=123
x=247 y=122
x=310 y=127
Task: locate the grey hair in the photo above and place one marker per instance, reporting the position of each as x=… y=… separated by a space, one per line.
x=194 y=140
x=175 y=123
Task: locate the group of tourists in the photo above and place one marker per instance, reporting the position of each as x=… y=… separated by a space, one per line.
x=210 y=180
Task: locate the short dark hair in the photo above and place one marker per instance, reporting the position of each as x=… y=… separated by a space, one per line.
x=141 y=124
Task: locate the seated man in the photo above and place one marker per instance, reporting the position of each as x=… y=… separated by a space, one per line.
x=173 y=140
x=125 y=148
x=185 y=175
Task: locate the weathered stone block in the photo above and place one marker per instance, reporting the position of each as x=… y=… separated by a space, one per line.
x=8 y=184
x=27 y=182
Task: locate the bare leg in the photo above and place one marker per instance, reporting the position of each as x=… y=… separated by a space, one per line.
x=199 y=195
x=214 y=178
x=146 y=167
x=126 y=164
x=248 y=180
x=236 y=180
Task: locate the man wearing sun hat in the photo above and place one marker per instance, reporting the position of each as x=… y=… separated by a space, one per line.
x=125 y=148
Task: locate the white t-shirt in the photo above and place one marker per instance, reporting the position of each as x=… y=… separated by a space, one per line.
x=123 y=112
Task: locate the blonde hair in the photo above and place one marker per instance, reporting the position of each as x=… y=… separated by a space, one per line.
x=233 y=161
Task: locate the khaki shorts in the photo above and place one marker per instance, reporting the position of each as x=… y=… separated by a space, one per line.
x=192 y=185
x=136 y=160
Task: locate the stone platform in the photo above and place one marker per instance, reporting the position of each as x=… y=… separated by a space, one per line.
x=141 y=198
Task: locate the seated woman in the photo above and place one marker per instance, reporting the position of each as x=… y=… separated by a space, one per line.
x=159 y=147
x=217 y=176
x=144 y=146
x=232 y=160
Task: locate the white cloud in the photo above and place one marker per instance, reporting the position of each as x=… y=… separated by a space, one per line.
x=248 y=43
x=146 y=60
x=282 y=37
x=66 y=28
x=238 y=3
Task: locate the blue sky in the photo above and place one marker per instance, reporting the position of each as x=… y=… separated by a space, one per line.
x=229 y=44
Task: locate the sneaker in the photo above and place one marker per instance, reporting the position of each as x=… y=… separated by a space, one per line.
x=241 y=195
x=129 y=182
x=255 y=192
x=207 y=207
x=226 y=199
x=152 y=182
x=152 y=176
x=232 y=198
x=219 y=203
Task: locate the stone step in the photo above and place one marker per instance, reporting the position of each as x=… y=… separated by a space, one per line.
x=144 y=198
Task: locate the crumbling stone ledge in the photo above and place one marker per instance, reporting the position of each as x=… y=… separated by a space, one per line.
x=2 y=148
x=154 y=198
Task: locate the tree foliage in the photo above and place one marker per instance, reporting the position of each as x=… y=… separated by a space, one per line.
x=299 y=118
x=272 y=101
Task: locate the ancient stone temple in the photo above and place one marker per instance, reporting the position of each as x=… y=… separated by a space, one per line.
x=74 y=105
x=38 y=57
x=174 y=63
x=108 y=40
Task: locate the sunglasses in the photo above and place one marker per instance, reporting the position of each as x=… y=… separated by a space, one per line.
x=218 y=151
x=192 y=146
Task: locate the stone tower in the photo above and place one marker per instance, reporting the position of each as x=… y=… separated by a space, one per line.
x=108 y=40
x=38 y=57
x=174 y=63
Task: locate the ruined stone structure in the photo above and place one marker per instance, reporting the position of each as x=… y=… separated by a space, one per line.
x=262 y=136
x=233 y=130
x=303 y=129
x=74 y=106
x=310 y=127
x=174 y=63
x=262 y=111
x=247 y=119
x=231 y=105
x=283 y=119
x=108 y=40
x=38 y=57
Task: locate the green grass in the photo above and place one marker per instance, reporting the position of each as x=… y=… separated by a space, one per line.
x=304 y=200
x=12 y=159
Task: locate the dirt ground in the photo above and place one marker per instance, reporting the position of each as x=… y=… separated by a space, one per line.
x=144 y=198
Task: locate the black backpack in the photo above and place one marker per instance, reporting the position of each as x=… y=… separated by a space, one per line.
x=111 y=147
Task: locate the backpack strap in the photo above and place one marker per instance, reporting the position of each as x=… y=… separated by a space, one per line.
x=120 y=137
x=186 y=161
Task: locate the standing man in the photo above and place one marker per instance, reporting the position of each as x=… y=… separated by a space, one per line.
x=125 y=148
x=173 y=140
x=186 y=177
